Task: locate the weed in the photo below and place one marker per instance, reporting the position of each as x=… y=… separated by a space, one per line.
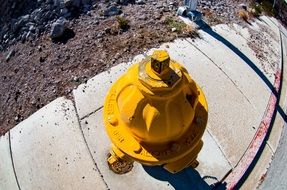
x=243 y=15
x=211 y=18
x=265 y=7
x=190 y=32
x=176 y=24
x=256 y=9
x=268 y=8
x=123 y=23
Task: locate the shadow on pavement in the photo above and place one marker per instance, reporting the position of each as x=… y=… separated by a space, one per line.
x=206 y=28
x=187 y=179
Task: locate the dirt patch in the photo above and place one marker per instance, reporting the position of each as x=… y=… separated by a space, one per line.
x=38 y=71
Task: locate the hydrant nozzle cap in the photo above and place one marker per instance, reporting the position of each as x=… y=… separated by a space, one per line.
x=160 y=61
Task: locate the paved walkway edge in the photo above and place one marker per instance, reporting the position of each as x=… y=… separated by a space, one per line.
x=233 y=180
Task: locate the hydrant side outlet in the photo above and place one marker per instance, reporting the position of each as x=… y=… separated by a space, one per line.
x=155 y=114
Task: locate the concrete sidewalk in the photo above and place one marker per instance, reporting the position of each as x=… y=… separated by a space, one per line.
x=64 y=144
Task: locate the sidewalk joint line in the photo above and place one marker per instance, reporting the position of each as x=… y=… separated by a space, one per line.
x=13 y=165
x=91 y=113
x=220 y=148
x=268 y=145
x=279 y=27
x=89 y=150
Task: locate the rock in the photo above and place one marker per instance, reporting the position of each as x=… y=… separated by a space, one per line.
x=172 y=3
x=64 y=11
x=25 y=18
x=173 y=29
x=86 y=8
x=72 y=3
x=57 y=3
x=39 y=48
x=30 y=35
x=243 y=6
x=143 y=17
x=10 y=54
x=111 y=11
x=122 y=1
x=58 y=28
x=86 y=2
x=76 y=79
x=6 y=36
x=16 y=118
x=32 y=28
x=23 y=36
x=140 y=2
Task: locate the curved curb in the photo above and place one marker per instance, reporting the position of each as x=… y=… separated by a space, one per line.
x=233 y=179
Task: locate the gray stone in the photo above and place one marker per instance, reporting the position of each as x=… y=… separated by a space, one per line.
x=86 y=2
x=58 y=28
x=30 y=35
x=57 y=2
x=111 y=11
x=243 y=6
x=23 y=36
x=32 y=28
x=5 y=36
x=10 y=54
x=140 y=2
x=25 y=18
x=72 y=3
x=64 y=11
x=122 y=1
x=49 y=151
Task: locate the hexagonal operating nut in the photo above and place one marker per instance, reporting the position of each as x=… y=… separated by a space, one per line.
x=160 y=61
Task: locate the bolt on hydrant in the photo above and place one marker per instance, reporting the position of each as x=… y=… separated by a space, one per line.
x=155 y=114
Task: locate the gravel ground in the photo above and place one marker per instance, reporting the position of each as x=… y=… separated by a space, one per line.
x=39 y=70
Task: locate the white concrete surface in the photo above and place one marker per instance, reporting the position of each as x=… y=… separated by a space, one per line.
x=49 y=151
x=271 y=24
x=213 y=165
x=90 y=97
x=7 y=177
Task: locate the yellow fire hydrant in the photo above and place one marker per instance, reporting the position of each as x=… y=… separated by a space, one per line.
x=155 y=114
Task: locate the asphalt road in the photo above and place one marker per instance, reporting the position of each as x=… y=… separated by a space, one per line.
x=277 y=173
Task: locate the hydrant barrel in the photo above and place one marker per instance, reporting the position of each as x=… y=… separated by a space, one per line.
x=156 y=114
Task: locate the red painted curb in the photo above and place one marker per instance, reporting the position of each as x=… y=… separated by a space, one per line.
x=237 y=173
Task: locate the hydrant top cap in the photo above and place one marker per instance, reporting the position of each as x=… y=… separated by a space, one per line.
x=160 y=61
x=160 y=55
